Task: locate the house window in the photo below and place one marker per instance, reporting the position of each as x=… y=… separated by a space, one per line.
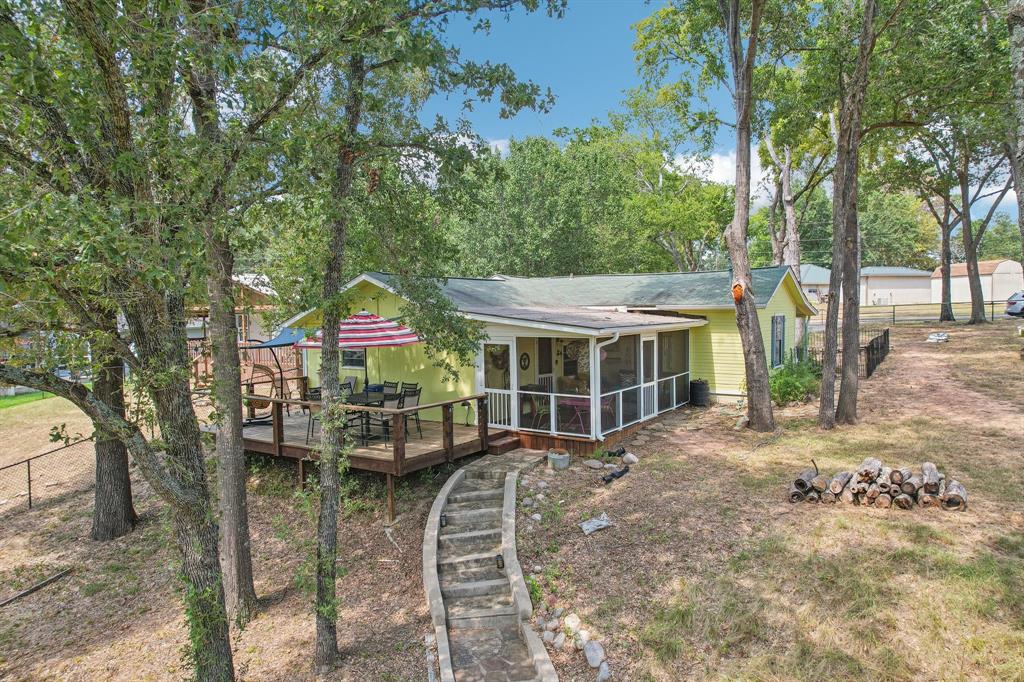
x=355 y=357
x=778 y=340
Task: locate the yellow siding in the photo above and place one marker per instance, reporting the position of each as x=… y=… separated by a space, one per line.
x=717 y=354
x=409 y=363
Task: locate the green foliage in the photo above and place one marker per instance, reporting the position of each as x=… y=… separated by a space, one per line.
x=1001 y=240
x=536 y=595
x=794 y=381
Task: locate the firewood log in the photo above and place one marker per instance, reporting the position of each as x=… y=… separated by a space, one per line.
x=820 y=483
x=930 y=478
x=883 y=501
x=897 y=476
x=813 y=496
x=839 y=481
x=955 y=497
x=873 y=491
x=911 y=485
x=883 y=478
x=942 y=489
x=847 y=495
x=869 y=469
x=903 y=501
x=803 y=481
x=927 y=500
x=866 y=501
x=828 y=497
x=795 y=495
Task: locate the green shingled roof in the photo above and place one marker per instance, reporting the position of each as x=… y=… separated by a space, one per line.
x=669 y=289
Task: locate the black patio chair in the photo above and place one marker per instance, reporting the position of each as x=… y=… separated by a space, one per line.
x=411 y=398
x=409 y=386
x=390 y=387
x=382 y=420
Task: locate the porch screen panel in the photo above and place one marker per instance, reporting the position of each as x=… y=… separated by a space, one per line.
x=620 y=364
x=673 y=368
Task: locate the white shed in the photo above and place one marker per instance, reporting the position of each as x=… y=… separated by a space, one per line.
x=886 y=285
x=999 y=280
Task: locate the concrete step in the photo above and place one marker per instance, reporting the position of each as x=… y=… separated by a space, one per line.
x=455 y=560
x=472 y=519
x=503 y=445
x=470 y=505
x=502 y=643
x=472 y=485
x=472 y=542
x=476 y=588
x=450 y=576
x=462 y=496
x=493 y=616
x=494 y=473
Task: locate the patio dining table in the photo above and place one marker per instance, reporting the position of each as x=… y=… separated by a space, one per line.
x=367 y=399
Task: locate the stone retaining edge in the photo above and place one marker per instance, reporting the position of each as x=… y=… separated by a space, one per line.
x=520 y=593
x=431 y=584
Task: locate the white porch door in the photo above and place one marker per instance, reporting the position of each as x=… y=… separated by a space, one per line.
x=648 y=376
x=496 y=376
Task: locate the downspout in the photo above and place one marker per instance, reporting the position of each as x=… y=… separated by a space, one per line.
x=595 y=386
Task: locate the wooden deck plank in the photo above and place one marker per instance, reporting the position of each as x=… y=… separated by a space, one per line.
x=259 y=438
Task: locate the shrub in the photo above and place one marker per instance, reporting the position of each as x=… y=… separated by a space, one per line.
x=794 y=381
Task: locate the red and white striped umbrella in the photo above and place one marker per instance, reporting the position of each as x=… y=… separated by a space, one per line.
x=366 y=330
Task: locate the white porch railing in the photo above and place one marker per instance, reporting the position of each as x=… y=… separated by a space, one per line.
x=565 y=414
x=626 y=406
x=499 y=408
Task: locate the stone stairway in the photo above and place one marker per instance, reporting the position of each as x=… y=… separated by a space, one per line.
x=475 y=589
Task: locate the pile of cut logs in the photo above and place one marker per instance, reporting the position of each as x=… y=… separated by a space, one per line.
x=875 y=485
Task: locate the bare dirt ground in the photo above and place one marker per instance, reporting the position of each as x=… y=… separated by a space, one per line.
x=708 y=573
x=118 y=615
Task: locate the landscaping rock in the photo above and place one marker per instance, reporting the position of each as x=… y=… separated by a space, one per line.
x=594 y=653
x=630 y=458
x=741 y=423
x=572 y=623
x=603 y=673
x=559 y=641
x=548 y=636
x=527 y=502
x=593 y=463
x=610 y=466
x=535 y=517
x=542 y=484
x=558 y=612
x=537 y=568
x=552 y=625
x=581 y=638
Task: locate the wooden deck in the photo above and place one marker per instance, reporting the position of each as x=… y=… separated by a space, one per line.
x=375 y=455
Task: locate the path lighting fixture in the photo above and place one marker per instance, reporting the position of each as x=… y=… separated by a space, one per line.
x=444 y=519
x=500 y=560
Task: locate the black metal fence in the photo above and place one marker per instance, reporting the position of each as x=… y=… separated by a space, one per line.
x=873 y=343
x=875 y=352
x=41 y=478
x=913 y=312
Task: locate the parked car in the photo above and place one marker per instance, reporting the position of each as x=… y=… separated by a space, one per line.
x=1015 y=304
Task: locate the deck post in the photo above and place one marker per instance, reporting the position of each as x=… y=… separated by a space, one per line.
x=398 y=433
x=448 y=430
x=481 y=421
x=249 y=390
x=391 y=499
x=277 y=428
x=302 y=474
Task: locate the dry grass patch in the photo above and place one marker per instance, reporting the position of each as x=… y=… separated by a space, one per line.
x=709 y=573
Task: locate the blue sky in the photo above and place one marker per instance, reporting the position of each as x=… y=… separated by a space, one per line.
x=586 y=58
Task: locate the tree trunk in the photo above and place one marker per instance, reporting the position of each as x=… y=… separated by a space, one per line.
x=851 y=108
x=236 y=554
x=332 y=441
x=1016 y=21
x=830 y=352
x=776 y=235
x=790 y=242
x=946 y=311
x=970 y=243
x=113 y=513
x=759 y=400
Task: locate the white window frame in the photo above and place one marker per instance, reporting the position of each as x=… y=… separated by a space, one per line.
x=778 y=323
x=346 y=364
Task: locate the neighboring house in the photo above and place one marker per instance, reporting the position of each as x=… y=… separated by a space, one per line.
x=254 y=297
x=885 y=285
x=814 y=282
x=580 y=358
x=1000 y=279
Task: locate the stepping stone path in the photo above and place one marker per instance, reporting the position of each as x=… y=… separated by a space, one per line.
x=483 y=621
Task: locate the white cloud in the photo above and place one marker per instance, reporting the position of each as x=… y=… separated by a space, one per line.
x=501 y=146
x=721 y=167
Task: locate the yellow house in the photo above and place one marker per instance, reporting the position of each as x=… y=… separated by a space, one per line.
x=579 y=359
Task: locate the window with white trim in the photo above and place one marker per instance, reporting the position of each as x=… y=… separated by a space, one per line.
x=778 y=340
x=353 y=357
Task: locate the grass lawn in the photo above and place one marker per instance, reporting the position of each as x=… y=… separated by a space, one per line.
x=25 y=427
x=22 y=398
x=708 y=573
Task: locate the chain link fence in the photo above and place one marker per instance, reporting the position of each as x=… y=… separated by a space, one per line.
x=48 y=476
